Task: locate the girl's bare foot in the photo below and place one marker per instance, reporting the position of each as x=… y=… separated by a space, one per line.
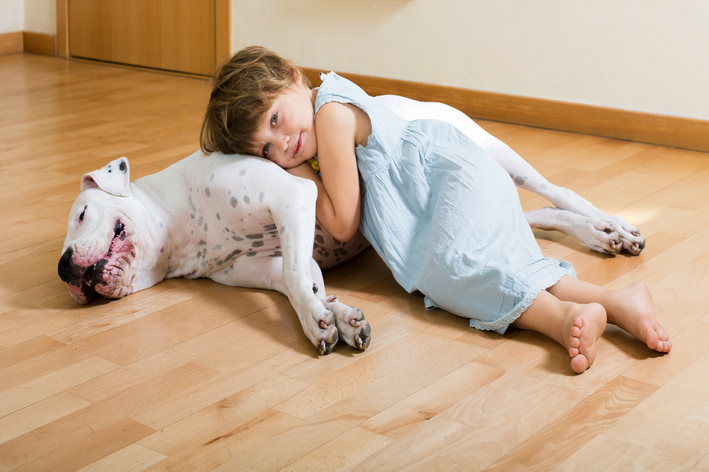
x=635 y=313
x=580 y=332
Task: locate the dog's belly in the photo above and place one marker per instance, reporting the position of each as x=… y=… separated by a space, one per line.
x=225 y=226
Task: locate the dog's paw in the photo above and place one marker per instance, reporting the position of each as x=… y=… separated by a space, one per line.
x=322 y=331
x=635 y=244
x=598 y=235
x=353 y=328
x=630 y=238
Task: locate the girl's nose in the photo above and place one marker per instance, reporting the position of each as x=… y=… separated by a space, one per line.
x=286 y=141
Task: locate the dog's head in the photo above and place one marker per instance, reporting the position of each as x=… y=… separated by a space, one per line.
x=102 y=240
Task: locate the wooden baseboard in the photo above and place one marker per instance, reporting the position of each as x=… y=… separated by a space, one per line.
x=10 y=43
x=685 y=133
x=39 y=43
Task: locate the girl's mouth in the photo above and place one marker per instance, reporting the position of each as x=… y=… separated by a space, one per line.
x=298 y=144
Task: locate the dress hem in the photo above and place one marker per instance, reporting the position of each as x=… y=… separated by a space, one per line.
x=500 y=325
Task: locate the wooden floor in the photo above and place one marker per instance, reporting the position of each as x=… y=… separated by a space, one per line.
x=191 y=375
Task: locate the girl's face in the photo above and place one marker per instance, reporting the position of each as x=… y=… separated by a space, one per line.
x=286 y=134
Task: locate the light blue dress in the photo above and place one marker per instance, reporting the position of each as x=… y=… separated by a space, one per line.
x=444 y=216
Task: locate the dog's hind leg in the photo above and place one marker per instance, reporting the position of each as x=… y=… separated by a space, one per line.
x=590 y=225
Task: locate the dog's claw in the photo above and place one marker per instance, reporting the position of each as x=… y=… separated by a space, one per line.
x=358 y=341
x=355 y=323
x=332 y=298
x=323 y=325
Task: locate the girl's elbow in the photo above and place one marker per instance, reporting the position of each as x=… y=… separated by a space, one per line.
x=344 y=234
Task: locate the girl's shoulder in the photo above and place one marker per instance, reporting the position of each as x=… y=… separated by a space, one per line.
x=339 y=89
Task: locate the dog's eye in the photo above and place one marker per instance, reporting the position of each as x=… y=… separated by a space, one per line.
x=81 y=215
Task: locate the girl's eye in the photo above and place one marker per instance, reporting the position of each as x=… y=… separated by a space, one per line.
x=265 y=149
x=273 y=119
x=81 y=216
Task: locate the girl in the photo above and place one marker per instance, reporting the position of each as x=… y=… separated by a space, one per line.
x=443 y=215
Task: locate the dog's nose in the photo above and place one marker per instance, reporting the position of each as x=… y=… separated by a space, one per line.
x=66 y=266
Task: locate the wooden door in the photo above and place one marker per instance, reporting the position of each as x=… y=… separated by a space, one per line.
x=175 y=35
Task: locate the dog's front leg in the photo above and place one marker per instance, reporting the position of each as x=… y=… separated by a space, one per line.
x=352 y=326
x=294 y=216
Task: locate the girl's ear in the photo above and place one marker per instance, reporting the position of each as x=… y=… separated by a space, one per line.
x=296 y=74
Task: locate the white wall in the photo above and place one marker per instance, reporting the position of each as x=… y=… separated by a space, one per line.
x=37 y=16
x=41 y=16
x=642 y=55
x=12 y=16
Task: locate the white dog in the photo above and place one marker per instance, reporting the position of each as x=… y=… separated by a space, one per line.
x=244 y=221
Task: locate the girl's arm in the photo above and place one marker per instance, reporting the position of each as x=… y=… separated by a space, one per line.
x=340 y=127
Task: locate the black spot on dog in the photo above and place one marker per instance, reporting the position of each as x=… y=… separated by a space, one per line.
x=315 y=246
x=257 y=244
x=205 y=226
x=162 y=249
x=318 y=227
x=232 y=255
x=122 y=166
x=218 y=217
x=260 y=197
x=246 y=199
x=250 y=254
x=192 y=216
x=202 y=243
x=216 y=248
x=519 y=180
x=237 y=238
x=211 y=177
x=277 y=254
x=269 y=228
x=207 y=192
x=254 y=236
x=233 y=202
x=319 y=238
x=336 y=241
x=242 y=172
x=199 y=221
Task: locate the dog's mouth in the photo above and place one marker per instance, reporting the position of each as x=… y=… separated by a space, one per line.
x=94 y=277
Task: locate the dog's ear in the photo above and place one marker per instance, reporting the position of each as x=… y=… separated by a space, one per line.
x=113 y=179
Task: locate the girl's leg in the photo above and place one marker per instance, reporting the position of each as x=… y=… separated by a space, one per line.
x=631 y=308
x=576 y=327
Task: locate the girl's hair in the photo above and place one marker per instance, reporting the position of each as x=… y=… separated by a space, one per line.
x=244 y=89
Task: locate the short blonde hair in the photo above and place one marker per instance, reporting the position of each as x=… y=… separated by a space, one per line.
x=244 y=89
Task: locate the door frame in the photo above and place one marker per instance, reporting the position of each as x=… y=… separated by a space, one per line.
x=222 y=28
